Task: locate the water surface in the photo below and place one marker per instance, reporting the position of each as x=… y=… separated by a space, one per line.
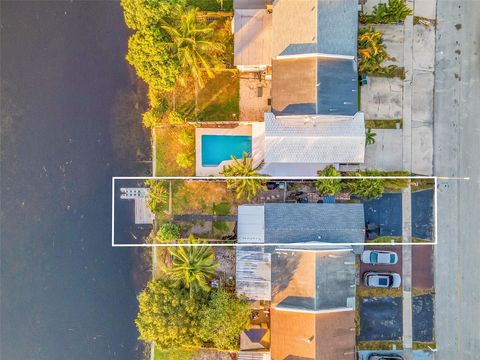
x=70 y=112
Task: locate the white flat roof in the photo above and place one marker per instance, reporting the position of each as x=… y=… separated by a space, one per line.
x=252 y=37
x=251 y=224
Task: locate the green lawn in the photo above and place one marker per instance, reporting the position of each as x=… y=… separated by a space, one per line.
x=217 y=101
x=180 y=354
x=383 y=124
x=167 y=148
x=211 y=5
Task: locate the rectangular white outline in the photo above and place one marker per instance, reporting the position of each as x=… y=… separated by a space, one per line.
x=279 y=178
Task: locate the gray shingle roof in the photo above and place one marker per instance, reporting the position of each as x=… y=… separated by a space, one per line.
x=315 y=85
x=315 y=26
x=333 y=223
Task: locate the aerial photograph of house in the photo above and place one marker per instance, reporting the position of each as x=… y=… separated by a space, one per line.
x=239 y=180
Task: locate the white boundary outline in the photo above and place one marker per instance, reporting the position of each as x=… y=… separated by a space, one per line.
x=280 y=178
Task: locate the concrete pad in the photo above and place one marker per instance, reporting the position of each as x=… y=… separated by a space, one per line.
x=254 y=95
x=423 y=48
x=422 y=96
x=425 y=8
x=381 y=98
x=422 y=148
x=393 y=38
x=386 y=153
x=369 y=5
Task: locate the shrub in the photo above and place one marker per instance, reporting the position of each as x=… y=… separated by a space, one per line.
x=329 y=186
x=153 y=117
x=168 y=233
x=364 y=187
x=371 y=50
x=184 y=160
x=175 y=118
x=185 y=138
x=390 y=13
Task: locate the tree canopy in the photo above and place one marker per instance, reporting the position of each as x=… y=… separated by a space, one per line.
x=193 y=267
x=223 y=320
x=329 y=186
x=168 y=315
x=244 y=168
x=157 y=195
x=173 y=319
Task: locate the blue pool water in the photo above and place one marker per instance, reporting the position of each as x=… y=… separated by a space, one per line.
x=218 y=148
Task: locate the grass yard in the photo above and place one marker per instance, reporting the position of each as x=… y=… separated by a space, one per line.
x=384 y=124
x=203 y=198
x=211 y=5
x=217 y=101
x=167 y=149
x=379 y=345
x=180 y=354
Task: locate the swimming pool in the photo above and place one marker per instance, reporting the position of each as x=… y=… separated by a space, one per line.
x=218 y=148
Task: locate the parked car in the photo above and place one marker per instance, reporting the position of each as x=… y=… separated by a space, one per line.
x=379 y=257
x=385 y=357
x=381 y=279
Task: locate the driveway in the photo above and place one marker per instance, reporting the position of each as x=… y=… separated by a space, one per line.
x=380 y=318
x=422 y=267
x=417 y=354
x=422 y=318
x=422 y=214
x=382 y=98
x=386 y=212
x=386 y=153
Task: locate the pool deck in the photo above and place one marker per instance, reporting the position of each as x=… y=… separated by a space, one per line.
x=255 y=130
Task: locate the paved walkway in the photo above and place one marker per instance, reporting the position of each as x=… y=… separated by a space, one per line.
x=407 y=272
x=205 y=218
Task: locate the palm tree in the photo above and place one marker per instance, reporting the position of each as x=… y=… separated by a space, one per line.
x=157 y=195
x=193 y=44
x=244 y=169
x=370 y=137
x=193 y=266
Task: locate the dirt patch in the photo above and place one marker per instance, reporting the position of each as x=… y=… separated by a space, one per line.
x=226 y=258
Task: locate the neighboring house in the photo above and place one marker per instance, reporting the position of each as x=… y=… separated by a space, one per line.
x=309 y=50
x=311 y=288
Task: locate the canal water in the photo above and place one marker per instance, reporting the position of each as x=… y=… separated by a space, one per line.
x=70 y=121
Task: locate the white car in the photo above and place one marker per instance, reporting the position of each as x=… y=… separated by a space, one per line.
x=382 y=279
x=379 y=257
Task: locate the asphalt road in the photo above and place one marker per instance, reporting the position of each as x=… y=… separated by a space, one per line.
x=457 y=149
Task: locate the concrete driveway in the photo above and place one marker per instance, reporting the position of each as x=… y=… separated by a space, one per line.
x=380 y=318
x=386 y=153
x=382 y=98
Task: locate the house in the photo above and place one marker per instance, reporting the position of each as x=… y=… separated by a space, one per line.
x=309 y=279
x=307 y=51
